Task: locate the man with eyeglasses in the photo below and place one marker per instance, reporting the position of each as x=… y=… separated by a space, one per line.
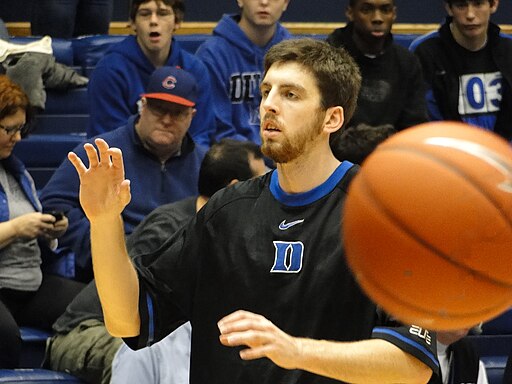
x=161 y=159
x=123 y=73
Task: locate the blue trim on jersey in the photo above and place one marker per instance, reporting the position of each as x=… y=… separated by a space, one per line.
x=412 y=343
x=301 y=199
x=151 y=323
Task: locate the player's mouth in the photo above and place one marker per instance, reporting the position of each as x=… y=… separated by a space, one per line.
x=270 y=128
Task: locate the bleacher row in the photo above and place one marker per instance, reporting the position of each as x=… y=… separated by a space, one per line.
x=62 y=126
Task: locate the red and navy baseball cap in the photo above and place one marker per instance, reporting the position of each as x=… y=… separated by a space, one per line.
x=172 y=84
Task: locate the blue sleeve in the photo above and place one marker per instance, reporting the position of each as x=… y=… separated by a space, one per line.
x=414 y=340
x=108 y=93
x=61 y=194
x=217 y=67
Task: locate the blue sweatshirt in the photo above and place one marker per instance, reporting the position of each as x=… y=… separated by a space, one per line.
x=235 y=65
x=152 y=185
x=121 y=77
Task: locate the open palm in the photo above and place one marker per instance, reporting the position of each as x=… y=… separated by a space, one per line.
x=104 y=191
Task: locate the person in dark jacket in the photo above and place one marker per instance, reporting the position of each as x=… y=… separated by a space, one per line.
x=392 y=89
x=467 y=65
x=458 y=358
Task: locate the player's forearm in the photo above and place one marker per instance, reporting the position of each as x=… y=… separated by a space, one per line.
x=116 y=278
x=368 y=361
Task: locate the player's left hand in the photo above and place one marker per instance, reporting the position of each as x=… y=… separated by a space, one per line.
x=262 y=337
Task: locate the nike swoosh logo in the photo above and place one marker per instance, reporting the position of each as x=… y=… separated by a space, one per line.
x=284 y=225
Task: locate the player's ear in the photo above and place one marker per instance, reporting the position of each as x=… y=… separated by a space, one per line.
x=334 y=119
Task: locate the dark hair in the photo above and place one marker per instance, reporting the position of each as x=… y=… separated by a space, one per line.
x=178 y=6
x=450 y=2
x=225 y=161
x=355 y=143
x=13 y=98
x=352 y=3
x=336 y=73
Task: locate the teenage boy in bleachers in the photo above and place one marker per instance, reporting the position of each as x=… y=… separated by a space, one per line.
x=467 y=65
x=392 y=87
x=234 y=58
x=121 y=76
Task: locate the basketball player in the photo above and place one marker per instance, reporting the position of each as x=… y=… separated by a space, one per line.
x=270 y=245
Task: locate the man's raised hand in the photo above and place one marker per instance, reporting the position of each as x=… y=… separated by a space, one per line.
x=104 y=192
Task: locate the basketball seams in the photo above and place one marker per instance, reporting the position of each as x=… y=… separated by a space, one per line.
x=372 y=197
x=451 y=166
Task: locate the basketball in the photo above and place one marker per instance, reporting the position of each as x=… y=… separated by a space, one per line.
x=427 y=225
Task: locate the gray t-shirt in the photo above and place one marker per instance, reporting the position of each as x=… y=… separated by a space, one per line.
x=20 y=261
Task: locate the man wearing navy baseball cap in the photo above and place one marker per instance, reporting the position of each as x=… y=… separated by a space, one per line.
x=161 y=159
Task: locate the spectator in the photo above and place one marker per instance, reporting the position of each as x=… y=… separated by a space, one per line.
x=356 y=142
x=121 y=76
x=4 y=34
x=458 y=359
x=80 y=331
x=234 y=58
x=271 y=245
x=162 y=161
x=28 y=297
x=467 y=66
x=70 y=18
x=392 y=88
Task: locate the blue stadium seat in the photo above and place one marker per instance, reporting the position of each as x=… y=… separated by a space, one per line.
x=500 y=325
x=35 y=376
x=33 y=347
x=495 y=368
x=42 y=154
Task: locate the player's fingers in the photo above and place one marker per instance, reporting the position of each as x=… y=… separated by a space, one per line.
x=92 y=155
x=103 y=150
x=117 y=158
x=250 y=338
x=77 y=163
x=237 y=319
x=124 y=191
x=256 y=352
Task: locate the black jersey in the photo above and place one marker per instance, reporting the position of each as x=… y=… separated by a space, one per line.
x=257 y=248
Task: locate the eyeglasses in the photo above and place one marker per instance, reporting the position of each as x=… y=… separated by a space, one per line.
x=177 y=112
x=11 y=131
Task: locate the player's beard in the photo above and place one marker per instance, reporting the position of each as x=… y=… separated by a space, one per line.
x=292 y=146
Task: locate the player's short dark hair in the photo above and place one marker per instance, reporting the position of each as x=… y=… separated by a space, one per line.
x=178 y=6
x=355 y=143
x=225 y=161
x=336 y=73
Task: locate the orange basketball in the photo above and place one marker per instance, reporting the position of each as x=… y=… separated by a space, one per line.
x=428 y=225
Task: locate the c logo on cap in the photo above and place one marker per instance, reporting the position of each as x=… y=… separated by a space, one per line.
x=169 y=82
